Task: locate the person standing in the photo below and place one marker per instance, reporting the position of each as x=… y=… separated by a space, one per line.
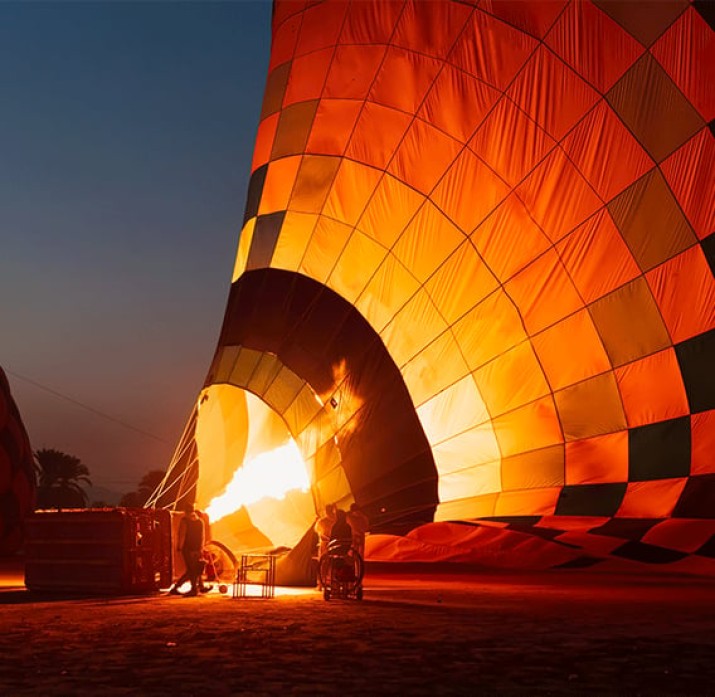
x=324 y=526
x=360 y=525
x=341 y=530
x=190 y=543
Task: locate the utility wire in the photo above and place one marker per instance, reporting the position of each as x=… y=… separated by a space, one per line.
x=85 y=406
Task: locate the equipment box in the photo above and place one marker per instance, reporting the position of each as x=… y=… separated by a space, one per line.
x=98 y=551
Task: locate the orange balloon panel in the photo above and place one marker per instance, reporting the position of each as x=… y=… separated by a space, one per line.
x=686 y=52
x=434 y=368
x=468 y=213
x=427 y=241
x=307 y=76
x=691 y=177
x=409 y=162
x=562 y=365
x=463 y=279
x=654 y=499
x=703 y=442
x=593 y=44
x=264 y=141
x=352 y=71
x=557 y=196
x=403 y=79
x=279 y=184
x=353 y=187
x=457 y=103
x=543 y=292
x=597 y=258
x=377 y=134
x=652 y=389
x=510 y=239
x=330 y=18
x=590 y=408
x=599 y=460
x=544 y=81
x=348 y=279
x=389 y=210
x=605 y=153
x=685 y=291
x=341 y=114
x=508 y=130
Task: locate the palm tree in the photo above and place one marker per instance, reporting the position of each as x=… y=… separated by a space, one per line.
x=148 y=484
x=132 y=500
x=60 y=479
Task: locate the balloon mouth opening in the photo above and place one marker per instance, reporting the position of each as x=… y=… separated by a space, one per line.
x=264 y=479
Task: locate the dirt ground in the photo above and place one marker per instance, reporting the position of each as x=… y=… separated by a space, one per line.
x=555 y=633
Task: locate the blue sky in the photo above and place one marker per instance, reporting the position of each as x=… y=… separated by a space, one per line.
x=126 y=136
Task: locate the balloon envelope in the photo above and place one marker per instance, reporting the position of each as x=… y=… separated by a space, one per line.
x=475 y=276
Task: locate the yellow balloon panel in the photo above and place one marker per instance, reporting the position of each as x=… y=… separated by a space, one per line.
x=460 y=283
x=453 y=411
x=491 y=328
x=221 y=438
x=436 y=367
x=349 y=279
x=417 y=324
x=511 y=380
x=389 y=210
x=295 y=235
x=390 y=288
x=327 y=242
x=428 y=240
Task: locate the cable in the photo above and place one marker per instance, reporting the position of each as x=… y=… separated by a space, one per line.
x=85 y=406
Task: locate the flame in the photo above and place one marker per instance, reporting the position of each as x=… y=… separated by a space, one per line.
x=269 y=475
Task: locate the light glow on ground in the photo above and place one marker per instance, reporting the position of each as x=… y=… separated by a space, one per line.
x=256 y=591
x=252 y=590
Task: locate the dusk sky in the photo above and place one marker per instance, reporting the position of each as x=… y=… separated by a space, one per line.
x=126 y=136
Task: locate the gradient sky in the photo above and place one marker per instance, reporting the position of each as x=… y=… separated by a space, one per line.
x=126 y=136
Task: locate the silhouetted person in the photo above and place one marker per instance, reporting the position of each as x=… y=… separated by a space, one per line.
x=359 y=525
x=324 y=526
x=191 y=544
x=341 y=529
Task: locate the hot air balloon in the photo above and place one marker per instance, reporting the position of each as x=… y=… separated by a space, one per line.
x=17 y=474
x=474 y=286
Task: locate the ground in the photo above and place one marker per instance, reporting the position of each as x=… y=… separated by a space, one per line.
x=546 y=633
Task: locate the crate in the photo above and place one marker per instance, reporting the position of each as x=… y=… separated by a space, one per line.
x=98 y=551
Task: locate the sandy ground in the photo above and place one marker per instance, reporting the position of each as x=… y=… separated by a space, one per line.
x=555 y=633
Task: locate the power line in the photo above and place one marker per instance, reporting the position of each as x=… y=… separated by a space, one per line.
x=86 y=406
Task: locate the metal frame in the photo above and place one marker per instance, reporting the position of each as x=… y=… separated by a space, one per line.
x=256 y=570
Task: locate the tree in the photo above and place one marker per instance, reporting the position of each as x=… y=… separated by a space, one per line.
x=60 y=479
x=147 y=485
x=132 y=500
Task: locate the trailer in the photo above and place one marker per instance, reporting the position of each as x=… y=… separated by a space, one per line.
x=105 y=551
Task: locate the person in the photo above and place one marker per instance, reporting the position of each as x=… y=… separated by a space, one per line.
x=341 y=530
x=342 y=569
x=190 y=543
x=359 y=524
x=324 y=526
